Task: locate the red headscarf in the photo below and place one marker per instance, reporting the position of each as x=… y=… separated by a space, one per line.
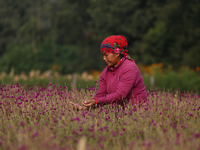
x=115 y=44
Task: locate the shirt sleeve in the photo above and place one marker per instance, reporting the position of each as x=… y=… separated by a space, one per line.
x=102 y=86
x=126 y=82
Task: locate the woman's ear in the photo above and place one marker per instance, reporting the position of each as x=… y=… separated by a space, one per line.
x=117 y=55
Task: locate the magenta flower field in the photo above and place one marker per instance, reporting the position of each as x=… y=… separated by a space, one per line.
x=42 y=118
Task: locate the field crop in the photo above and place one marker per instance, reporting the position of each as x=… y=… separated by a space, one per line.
x=41 y=118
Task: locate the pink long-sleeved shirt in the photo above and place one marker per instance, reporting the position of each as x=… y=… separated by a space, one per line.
x=121 y=84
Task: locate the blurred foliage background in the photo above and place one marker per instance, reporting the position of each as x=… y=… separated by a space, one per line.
x=155 y=77
x=65 y=35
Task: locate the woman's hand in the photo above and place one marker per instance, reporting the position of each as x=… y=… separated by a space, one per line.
x=78 y=107
x=89 y=103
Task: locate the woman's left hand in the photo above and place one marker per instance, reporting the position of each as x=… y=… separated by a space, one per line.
x=89 y=103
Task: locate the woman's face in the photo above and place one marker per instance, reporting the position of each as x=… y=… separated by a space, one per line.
x=111 y=59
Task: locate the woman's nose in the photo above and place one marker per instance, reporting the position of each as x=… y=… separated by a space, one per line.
x=104 y=57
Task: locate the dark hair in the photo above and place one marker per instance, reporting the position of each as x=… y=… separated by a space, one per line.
x=121 y=55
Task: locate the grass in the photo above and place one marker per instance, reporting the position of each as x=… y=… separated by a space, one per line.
x=41 y=118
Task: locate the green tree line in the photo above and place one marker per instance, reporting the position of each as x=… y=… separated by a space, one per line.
x=39 y=34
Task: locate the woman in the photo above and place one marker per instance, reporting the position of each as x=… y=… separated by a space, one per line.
x=121 y=81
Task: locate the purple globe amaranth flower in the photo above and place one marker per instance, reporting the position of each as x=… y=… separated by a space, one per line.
x=35 y=134
x=191 y=115
x=78 y=119
x=22 y=124
x=75 y=132
x=19 y=103
x=164 y=130
x=23 y=147
x=100 y=129
x=197 y=135
x=100 y=144
x=134 y=109
x=174 y=126
x=114 y=134
x=91 y=130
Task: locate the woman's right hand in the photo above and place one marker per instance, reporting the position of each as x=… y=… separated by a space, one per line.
x=77 y=107
x=89 y=103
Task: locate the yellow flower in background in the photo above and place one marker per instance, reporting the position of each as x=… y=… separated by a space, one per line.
x=95 y=73
x=152 y=69
x=197 y=68
x=55 y=67
x=160 y=64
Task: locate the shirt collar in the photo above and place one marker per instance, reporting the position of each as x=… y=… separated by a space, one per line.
x=117 y=65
